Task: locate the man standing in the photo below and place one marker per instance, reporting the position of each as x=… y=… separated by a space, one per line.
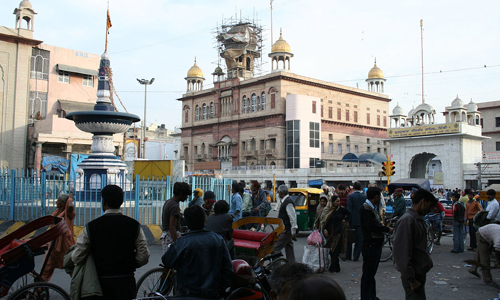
x=117 y=244
x=289 y=217
x=458 y=224
x=236 y=202
x=399 y=204
x=493 y=207
x=354 y=202
x=487 y=236
x=201 y=259
x=197 y=197
x=472 y=207
x=171 y=214
x=410 y=245
x=328 y=191
x=208 y=203
x=373 y=238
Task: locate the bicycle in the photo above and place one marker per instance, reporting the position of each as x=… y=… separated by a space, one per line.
x=387 y=245
x=431 y=233
x=158 y=283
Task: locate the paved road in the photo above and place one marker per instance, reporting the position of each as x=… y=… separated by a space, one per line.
x=448 y=279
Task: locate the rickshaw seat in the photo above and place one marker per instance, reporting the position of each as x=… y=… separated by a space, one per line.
x=248 y=239
x=249 y=235
x=13 y=244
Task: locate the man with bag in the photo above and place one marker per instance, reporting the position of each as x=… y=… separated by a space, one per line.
x=117 y=244
x=289 y=217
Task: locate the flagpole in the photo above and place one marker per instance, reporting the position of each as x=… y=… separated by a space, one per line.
x=108 y=25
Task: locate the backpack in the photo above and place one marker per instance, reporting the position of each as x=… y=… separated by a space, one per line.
x=480 y=219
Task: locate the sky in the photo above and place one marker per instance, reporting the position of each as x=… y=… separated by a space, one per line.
x=332 y=40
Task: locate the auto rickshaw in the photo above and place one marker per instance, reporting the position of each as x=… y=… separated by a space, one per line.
x=306 y=200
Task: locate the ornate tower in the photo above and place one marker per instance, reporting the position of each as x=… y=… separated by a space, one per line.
x=240 y=44
x=398 y=118
x=218 y=74
x=376 y=79
x=25 y=12
x=280 y=52
x=194 y=78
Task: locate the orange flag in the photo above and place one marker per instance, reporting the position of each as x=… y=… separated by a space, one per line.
x=108 y=23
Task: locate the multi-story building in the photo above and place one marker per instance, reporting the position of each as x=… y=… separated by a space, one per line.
x=43 y=84
x=490 y=122
x=278 y=120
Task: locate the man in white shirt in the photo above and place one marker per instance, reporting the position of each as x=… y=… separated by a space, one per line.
x=289 y=217
x=487 y=236
x=493 y=208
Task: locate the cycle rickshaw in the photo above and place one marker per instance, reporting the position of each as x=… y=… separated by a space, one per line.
x=17 y=261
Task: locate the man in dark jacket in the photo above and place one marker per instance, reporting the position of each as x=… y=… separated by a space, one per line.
x=399 y=205
x=373 y=238
x=410 y=245
x=117 y=244
x=458 y=224
x=201 y=259
x=354 y=203
x=289 y=217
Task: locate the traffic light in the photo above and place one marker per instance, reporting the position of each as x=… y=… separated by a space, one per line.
x=392 y=167
x=388 y=168
x=385 y=168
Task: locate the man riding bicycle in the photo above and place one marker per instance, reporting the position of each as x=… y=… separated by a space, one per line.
x=436 y=218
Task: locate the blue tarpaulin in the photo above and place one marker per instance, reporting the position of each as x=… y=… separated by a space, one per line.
x=315 y=183
x=75 y=160
x=52 y=162
x=350 y=157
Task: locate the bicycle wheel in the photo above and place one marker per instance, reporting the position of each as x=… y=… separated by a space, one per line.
x=430 y=239
x=275 y=264
x=24 y=280
x=40 y=291
x=155 y=280
x=386 y=248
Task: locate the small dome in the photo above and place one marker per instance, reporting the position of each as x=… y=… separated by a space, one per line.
x=424 y=107
x=471 y=106
x=218 y=71
x=25 y=4
x=281 y=45
x=195 y=71
x=375 y=72
x=457 y=103
x=397 y=110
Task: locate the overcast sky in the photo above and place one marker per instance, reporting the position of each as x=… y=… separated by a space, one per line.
x=332 y=40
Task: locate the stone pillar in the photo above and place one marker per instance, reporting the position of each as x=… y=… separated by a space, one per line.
x=38 y=157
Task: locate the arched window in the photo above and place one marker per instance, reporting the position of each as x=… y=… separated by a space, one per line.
x=263 y=101
x=244 y=104
x=211 y=110
x=197 y=113
x=254 y=102
x=258 y=104
x=204 y=111
x=95 y=181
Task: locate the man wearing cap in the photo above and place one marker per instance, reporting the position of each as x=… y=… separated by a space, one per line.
x=197 y=199
x=399 y=206
x=208 y=203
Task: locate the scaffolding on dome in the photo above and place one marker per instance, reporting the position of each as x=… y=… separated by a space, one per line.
x=240 y=44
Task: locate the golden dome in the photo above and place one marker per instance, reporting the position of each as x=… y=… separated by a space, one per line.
x=195 y=71
x=375 y=72
x=281 y=45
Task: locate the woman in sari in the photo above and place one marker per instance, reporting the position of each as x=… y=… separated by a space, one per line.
x=66 y=210
x=334 y=221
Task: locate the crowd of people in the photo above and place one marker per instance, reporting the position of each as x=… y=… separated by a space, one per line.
x=111 y=247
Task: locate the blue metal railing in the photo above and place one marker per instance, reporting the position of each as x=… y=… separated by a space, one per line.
x=24 y=196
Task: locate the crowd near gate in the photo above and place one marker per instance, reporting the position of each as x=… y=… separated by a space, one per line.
x=26 y=196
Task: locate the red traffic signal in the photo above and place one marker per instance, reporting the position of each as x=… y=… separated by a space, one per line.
x=388 y=168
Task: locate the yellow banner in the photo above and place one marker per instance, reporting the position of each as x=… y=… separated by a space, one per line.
x=423 y=130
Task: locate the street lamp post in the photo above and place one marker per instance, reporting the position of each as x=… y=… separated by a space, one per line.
x=144 y=82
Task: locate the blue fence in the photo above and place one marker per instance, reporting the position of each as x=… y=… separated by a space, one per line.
x=24 y=196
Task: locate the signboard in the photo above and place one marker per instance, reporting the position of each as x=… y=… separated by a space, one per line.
x=438 y=178
x=491 y=156
x=208 y=165
x=131 y=149
x=424 y=130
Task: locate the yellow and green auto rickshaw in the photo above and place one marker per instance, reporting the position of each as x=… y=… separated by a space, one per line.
x=306 y=200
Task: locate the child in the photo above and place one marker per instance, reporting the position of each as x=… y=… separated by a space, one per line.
x=458 y=224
